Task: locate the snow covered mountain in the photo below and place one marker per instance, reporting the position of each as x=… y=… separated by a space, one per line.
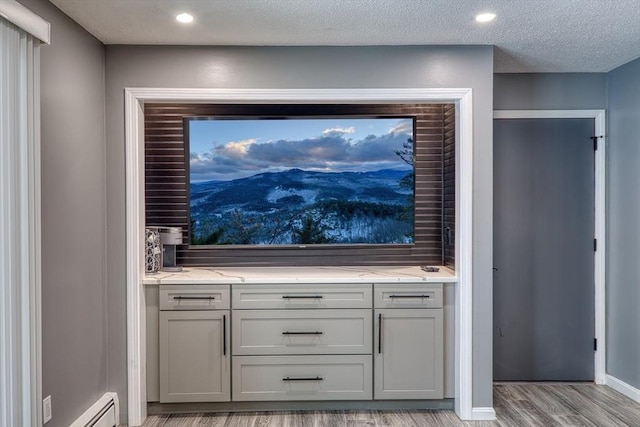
x=304 y=207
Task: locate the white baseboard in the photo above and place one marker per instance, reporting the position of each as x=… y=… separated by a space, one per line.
x=622 y=387
x=483 y=414
x=90 y=413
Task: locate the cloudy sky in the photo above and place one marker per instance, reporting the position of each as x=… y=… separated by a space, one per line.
x=230 y=149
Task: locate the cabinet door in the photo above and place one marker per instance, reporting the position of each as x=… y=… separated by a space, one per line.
x=408 y=354
x=194 y=356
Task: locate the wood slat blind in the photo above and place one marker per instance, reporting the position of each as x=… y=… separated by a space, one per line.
x=166 y=180
x=449 y=187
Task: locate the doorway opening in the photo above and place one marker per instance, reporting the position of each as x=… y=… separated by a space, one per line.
x=549 y=246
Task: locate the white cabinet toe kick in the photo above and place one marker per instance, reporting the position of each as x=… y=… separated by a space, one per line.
x=296 y=343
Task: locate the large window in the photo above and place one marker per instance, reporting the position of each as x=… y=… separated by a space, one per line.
x=304 y=184
x=300 y=180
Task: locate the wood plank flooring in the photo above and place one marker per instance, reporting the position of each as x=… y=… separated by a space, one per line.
x=516 y=405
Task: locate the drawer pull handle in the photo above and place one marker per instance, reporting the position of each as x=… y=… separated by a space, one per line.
x=209 y=298
x=302 y=296
x=302 y=333
x=303 y=379
x=409 y=296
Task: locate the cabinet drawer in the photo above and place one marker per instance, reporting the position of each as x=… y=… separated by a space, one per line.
x=302 y=378
x=194 y=297
x=301 y=332
x=301 y=296
x=408 y=296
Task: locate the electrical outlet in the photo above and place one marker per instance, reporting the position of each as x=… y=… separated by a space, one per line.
x=46 y=409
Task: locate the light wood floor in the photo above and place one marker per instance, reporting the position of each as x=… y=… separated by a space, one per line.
x=517 y=405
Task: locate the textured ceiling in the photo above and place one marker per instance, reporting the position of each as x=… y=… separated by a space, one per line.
x=529 y=35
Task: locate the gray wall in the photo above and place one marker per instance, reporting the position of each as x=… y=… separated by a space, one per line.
x=74 y=341
x=623 y=230
x=549 y=91
x=294 y=67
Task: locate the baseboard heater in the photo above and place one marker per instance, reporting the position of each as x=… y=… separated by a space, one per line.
x=104 y=413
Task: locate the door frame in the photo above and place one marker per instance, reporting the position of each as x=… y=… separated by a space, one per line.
x=599 y=118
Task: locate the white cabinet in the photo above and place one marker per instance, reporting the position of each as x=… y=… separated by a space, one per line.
x=408 y=347
x=302 y=342
x=194 y=353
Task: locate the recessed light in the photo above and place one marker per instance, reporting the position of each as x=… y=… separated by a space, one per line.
x=185 y=18
x=485 y=17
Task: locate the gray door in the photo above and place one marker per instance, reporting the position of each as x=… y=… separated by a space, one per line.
x=543 y=250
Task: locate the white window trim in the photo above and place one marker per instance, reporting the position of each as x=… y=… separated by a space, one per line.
x=134 y=162
x=599 y=117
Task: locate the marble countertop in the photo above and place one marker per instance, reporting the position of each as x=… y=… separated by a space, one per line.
x=282 y=275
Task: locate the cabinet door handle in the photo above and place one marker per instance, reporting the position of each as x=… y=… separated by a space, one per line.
x=303 y=379
x=209 y=298
x=224 y=334
x=302 y=333
x=302 y=296
x=380 y=333
x=409 y=296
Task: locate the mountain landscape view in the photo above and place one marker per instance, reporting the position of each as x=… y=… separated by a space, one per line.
x=304 y=207
x=301 y=180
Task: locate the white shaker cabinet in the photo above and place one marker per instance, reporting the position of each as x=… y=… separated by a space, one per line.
x=408 y=343
x=300 y=342
x=194 y=351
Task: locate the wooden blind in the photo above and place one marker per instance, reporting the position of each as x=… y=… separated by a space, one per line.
x=449 y=187
x=166 y=183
